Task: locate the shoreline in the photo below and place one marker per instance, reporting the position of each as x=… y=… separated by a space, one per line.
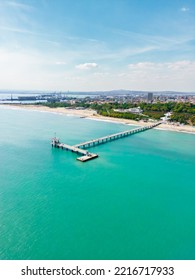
x=91 y=114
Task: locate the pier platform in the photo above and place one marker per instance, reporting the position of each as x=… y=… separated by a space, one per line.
x=87 y=157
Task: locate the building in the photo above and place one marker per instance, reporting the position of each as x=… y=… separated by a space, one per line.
x=136 y=110
x=150 y=96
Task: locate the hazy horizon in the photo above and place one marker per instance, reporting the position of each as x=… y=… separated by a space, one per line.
x=114 y=91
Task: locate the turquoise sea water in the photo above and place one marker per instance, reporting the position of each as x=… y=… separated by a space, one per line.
x=136 y=201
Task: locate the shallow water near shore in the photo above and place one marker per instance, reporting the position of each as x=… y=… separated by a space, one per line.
x=136 y=201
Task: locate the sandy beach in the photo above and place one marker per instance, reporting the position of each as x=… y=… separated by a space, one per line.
x=91 y=114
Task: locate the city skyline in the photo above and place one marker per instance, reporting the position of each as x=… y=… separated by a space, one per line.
x=97 y=45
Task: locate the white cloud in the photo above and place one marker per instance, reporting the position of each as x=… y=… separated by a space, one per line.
x=19 y=5
x=184 y=9
x=60 y=63
x=162 y=76
x=17 y=30
x=184 y=65
x=87 y=66
x=102 y=74
x=29 y=69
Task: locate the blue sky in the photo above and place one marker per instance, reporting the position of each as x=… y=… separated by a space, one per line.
x=97 y=45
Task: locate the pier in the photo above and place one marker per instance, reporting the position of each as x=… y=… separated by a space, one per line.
x=86 y=155
x=115 y=136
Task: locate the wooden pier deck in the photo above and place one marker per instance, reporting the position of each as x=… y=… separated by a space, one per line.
x=86 y=155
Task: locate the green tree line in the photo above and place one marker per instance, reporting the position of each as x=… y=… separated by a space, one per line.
x=181 y=112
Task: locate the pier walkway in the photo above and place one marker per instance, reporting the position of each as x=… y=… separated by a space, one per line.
x=115 y=136
x=86 y=155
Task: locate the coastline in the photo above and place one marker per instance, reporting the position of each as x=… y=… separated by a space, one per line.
x=91 y=114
